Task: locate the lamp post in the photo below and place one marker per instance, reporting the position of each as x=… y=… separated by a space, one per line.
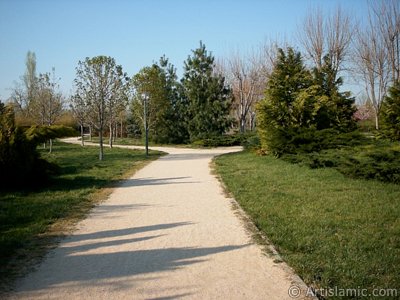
x=146 y=125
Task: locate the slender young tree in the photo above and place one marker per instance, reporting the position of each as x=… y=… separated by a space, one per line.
x=387 y=21
x=372 y=63
x=25 y=91
x=96 y=83
x=247 y=79
x=47 y=105
x=117 y=104
x=79 y=110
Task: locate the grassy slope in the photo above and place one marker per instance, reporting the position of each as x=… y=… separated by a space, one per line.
x=26 y=215
x=334 y=231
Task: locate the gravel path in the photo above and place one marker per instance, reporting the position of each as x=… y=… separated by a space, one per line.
x=169 y=232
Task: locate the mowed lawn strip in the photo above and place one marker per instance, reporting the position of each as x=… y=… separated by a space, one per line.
x=27 y=217
x=334 y=231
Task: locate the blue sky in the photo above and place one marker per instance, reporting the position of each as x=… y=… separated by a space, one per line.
x=138 y=32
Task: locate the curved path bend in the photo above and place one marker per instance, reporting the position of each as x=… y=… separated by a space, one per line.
x=168 y=232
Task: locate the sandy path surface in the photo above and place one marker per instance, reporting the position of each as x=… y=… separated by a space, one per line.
x=169 y=232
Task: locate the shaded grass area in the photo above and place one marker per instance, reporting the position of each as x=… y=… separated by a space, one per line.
x=334 y=231
x=27 y=216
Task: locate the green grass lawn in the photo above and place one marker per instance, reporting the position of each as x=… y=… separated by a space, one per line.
x=334 y=231
x=28 y=217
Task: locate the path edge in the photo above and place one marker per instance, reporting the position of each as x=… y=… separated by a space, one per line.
x=260 y=239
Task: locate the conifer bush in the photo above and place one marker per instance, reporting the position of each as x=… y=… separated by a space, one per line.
x=302 y=110
x=20 y=163
x=390 y=113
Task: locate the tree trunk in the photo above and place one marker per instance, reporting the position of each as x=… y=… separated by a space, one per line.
x=82 y=137
x=90 y=133
x=101 y=130
x=111 y=136
x=252 y=121
x=50 y=145
x=376 y=121
x=101 y=153
x=242 y=124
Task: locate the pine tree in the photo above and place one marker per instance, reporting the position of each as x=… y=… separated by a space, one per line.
x=299 y=105
x=285 y=105
x=176 y=129
x=336 y=109
x=390 y=114
x=209 y=99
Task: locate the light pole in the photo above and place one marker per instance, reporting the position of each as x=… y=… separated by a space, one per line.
x=146 y=125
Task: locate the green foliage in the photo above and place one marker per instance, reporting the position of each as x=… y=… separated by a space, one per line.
x=297 y=105
x=165 y=104
x=286 y=104
x=41 y=134
x=336 y=108
x=249 y=141
x=150 y=83
x=175 y=130
x=221 y=141
x=390 y=113
x=209 y=99
x=334 y=231
x=357 y=157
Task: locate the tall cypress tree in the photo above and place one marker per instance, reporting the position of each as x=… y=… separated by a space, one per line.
x=209 y=99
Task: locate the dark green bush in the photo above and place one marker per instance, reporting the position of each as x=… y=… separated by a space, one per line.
x=41 y=134
x=248 y=140
x=251 y=141
x=220 y=141
x=20 y=164
x=379 y=160
x=308 y=140
x=379 y=164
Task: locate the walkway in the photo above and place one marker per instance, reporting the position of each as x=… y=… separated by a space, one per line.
x=169 y=232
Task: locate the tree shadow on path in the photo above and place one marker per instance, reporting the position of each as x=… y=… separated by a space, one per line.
x=82 y=260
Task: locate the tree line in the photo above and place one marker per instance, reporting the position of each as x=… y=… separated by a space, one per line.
x=216 y=96
x=198 y=106
x=364 y=52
